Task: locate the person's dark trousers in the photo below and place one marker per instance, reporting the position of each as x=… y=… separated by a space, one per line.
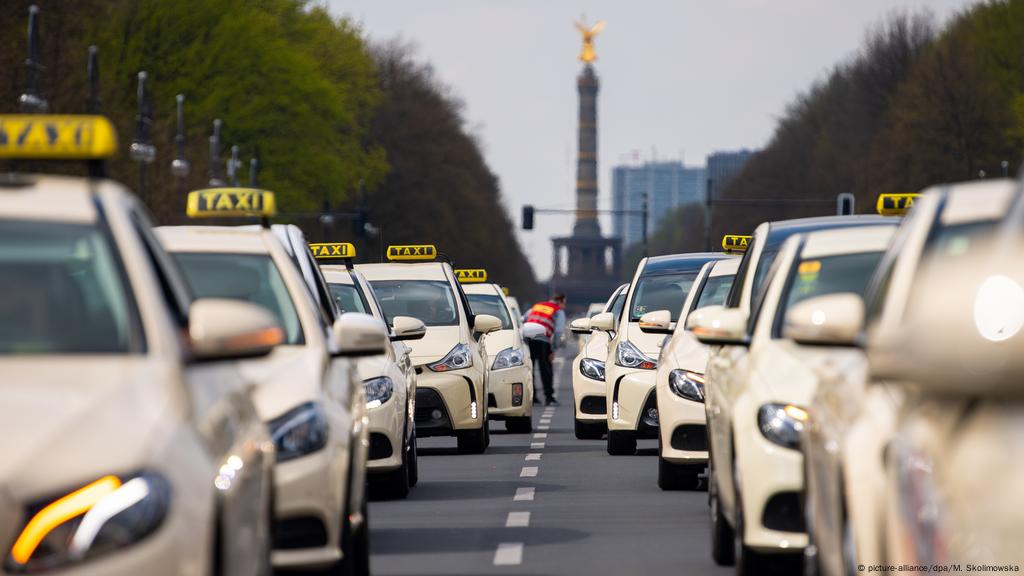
x=541 y=352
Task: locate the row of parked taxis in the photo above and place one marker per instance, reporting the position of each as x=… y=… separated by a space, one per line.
x=851 y=384
x=195 y=400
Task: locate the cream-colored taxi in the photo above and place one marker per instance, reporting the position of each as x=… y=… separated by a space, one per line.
x=451 y=370
x=510 y=379
x=682 y=442
x=389 y=379
x=588 y=387
x=133 y=444
x=660 y=283
x=755 y=417
x=308 y=391
x=852 y=414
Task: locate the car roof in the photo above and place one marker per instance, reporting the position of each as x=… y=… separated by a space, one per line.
x=337 y=274
x=404 y=271
x=51 y=198
x=481 y=288
x=975 y=201
x=679 y=262
x=855 y=240
x=725 y=267
x=780 y=230
x=213 y=239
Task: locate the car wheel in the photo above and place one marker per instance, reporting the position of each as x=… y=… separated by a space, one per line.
x=519 y=425
x=473 y=441
x=356 y=549
x=721 y=531
x=678 y=476
x=746 y=563
x=588 y=431
x=414 y=462
x=621 y=443
x=394 y=484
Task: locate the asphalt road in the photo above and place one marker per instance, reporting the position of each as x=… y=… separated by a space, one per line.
x=541 y=504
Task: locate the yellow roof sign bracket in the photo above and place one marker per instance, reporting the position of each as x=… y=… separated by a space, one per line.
x=328 y=251
x=230 y=202
x=735 y=243
x=471 y=275
x=895 y=204
x=412 y=253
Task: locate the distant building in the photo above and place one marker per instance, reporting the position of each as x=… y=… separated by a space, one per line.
x=722 y=167
x=667 y=185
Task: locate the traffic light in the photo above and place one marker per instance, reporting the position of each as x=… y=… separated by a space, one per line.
x=528 y=217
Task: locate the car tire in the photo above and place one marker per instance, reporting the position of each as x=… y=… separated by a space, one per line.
x=678 y=476
x=721 y=532
x=356 y=547
x=519 y=425
x=621 y=443
x=473 y=441
x=414 y=462
x=393 y=484
x=588 y=430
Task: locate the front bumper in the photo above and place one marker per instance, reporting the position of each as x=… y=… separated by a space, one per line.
x=683 y=428
x=771 y=482
x=309 y=505
x=501 y=402
x=632 y=397
x=453 y=394
x=387 y=436
x=588 y=395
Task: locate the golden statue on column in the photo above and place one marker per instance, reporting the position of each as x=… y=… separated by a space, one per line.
x=587 y=54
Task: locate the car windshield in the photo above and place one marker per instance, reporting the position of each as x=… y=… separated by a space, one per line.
x=62 y=291
x=661 y=292
x=431 y=301
x=814 y=277
x=714 y=291
x=347 y=297
x=490 y=304
x=250 y=278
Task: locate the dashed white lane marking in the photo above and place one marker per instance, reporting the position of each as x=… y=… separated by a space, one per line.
x=545 y=421
x=533 y=456
x=509 y=554
x=517 y=520
x=536 y=445
x=540 y=435
x=524 y=494
x=528 y=472
x=544 y=427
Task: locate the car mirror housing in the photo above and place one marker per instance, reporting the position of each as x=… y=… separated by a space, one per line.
x=225 y=329
x=580 y=326
x=357 y=334
x=719 y=325
x=485 y=324
x=605 y=322
x=408 y=328
x=657 y=322
x=832 y=320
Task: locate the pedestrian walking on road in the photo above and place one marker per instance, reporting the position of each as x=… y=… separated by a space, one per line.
x=551 y=315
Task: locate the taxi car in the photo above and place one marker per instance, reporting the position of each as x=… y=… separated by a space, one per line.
x=660 y=283
x=756 y=416
x=451 y=384
x=853 y=413
x=588 y=388
x=308 y=392
x=510 y=379
x=955 y=461
x=99 y=335
x=682 y=440
x=389 y=379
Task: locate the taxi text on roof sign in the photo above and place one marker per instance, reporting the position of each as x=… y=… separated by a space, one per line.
x=56 y=137
x=329 y=250
x=895 y=204
x=471 y=275
x=214 y=202
x=733 y=243
x=412 y=252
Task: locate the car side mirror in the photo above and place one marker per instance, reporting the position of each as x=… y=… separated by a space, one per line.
x=221 y=329
x=408 y=328
x=719 y=325
x=580 y=326
x=485 y=324
x=533 y=330
x=357 y=334
x=832 y=320
x=605 y=322
x=657 y=322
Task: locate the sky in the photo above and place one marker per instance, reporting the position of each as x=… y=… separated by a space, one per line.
x=679 y=79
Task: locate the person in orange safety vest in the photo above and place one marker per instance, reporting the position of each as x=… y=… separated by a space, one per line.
x=551 y=315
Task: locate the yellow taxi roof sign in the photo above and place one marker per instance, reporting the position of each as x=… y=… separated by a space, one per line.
x=56 y=137
x=471 y=275
x=333 y=250
x=412 y=253
x=895 y=204
x=735 y=243
x=217 y=202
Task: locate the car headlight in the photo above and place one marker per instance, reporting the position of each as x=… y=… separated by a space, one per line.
x=593 y=369
x=458 y=358
x=300 y=431
x=94 y=519
x=508 y=358
x=378 y=391
x=686 y=384
x=782 y=424
x=629 y=356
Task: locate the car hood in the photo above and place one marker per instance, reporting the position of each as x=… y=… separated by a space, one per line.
x=500 y=340
x=597 y=346
x=371 y=366
x=285 y=378
x=788 y=371
x=74 y=419
x=649 y=344
x=438 y=341
x=687 y=352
